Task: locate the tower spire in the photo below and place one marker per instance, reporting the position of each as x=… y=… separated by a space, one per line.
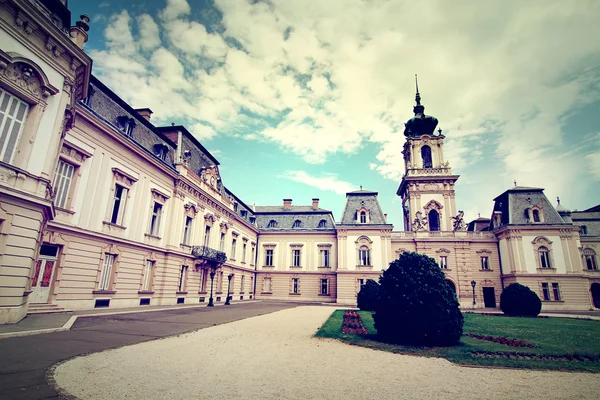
x=418 y=95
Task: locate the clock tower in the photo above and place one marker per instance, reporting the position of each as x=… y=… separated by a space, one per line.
x=427 y=186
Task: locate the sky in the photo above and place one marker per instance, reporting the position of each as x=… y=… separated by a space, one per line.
x=307 y=99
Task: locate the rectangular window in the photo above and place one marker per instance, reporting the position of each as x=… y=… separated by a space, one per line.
x=207 y=236
x=324 y=286
x=147 y=276
x=233 y=246
x=484 y=263
x=182 y=278
x=62 y=183
x=269 y=257
x=267 y=285
x=296 y=258
x=444 y=262
x=13 y=113
x=203 y=281
x=295 y=285
x=324 y=258
x=106 y=273
x=360 y=284
x=545 y=291
x=253 y=253
x=590 y=262
x=556 y=291
x=220 y=282
x=244 y=253
x=155 y=219
x=364 y=257
x=222 y=242
x=119 y=203
x=187 y=230
x=242 y=283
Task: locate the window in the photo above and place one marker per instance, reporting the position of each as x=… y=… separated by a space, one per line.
x=220 y=282
x=324 y=286
x=267 y=285
x=363 y=217
x=583 y=230
x=126 y=125
x=162 y=153
x=147 y=275
x=207 y=236
x=235 y=207
x=253 y=253
x=233 y=246
x=484 y=263
x=324 y=258
x=297 y=224
x=222 y=242
x=269 y=257
x=182 y=278
x=444 y=262
x=242 y=283
x=187 y=230
x=105 y=273
x=244 y=213
x=296 y=257
x=296 y=285
x=322 y=224
x=556 y=291
x=244 y=246
x=272 y=224
x=13 y=113
x=360 y=283
x=203 y=280
x=434 y=220
x=536 y=216
x=252 y=220
x=155 y=219
x=545 y=291
x=62 y=183
x=426 y=157
x=544 y=255
x=364 y=256
x=119 y=203
x=589 y=256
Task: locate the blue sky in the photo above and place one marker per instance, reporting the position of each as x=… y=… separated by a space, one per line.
x=302 y=99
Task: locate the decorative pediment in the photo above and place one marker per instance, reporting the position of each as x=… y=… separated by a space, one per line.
x=159 y=196
x=123 y=177
x=433 y=205
x=541 y=240
x=74 y=154
x=209 y=219
x=191 y=209
x=224 y=227
x=443 y=250
x=210 y=176
x=483 y=252
x=363 y=240
x=296 y=245
x=26 y=77
x=324 y=245
x=269 y=245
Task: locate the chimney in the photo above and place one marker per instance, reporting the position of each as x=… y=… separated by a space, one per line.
x=287 y=204
x=144 y=112
x=315 y=204
x=78 y=32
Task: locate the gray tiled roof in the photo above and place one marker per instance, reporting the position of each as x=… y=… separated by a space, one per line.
x=274 y=209
x=514 y=202
x=355 y=200
x=309 y=218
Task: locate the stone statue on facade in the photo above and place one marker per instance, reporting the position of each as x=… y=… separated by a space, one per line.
x=458 y=222
x=420 y=222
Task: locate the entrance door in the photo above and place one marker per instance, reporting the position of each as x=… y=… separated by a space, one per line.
x=42 y=276
x=489 y=297
x=595 y=289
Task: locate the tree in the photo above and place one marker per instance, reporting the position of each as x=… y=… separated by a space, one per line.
x=368 y=296
x=518 y=300
x=416 y=305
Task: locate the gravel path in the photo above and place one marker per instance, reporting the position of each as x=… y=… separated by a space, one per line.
x=275 y=356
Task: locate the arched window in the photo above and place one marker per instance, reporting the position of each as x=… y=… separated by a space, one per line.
x=364 y=256
x=363 y=217
x=322 y=224
x=426 y=157
x=536 y=216
x=297 y=224
x=434 y=220
x=544 y=255
x=589 y=257
x=272 y=224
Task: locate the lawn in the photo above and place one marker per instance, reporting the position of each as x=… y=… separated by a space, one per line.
x=560 y=343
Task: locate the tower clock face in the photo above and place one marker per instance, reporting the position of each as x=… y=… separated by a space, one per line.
x=212 y=180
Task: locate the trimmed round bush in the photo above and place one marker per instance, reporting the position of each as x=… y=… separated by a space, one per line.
x=518 y=300
x=368 y=296
x=416 y=305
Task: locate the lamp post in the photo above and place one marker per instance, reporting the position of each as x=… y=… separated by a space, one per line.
x=228 y=300
x=473 y=283
x=212 y=278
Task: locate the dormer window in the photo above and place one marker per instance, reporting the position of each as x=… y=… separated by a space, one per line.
x=252 y=220
x=126 y=125
x=235 y=207
x=322 y=224
x=243 y=213
x=534 y=214
x=363 y=217
x=297 y=224
x=161 y=150
x=272 y=224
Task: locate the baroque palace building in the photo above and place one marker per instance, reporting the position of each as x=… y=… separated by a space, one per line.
x=101 y=208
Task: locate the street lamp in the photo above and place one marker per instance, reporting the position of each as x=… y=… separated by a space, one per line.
x=228 y=300
x=212 y=278
x=473 y=283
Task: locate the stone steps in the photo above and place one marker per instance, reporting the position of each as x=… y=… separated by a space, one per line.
x=45 y=309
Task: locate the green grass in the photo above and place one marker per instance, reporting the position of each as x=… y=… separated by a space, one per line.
x=551 y=336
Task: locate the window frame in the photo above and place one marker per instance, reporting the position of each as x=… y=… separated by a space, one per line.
x=269 y=257
x=443 y=262
x=147 y=276
x=485 y=263
x=126 y=182
x=364 y=257
x=326 y=281
x=183 y=278
x=7 y=118
x=296 y=258
x=187 y=230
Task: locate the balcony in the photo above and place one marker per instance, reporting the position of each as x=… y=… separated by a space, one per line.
x=207 y=254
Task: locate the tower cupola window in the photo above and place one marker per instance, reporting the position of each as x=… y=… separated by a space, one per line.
x=363 y=217
x=434 y=220
x=426 y=156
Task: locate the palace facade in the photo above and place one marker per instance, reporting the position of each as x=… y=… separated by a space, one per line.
x=101 y=208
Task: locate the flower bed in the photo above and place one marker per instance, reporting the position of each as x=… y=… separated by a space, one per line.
x=502 y=340
x=353 y=324
x=537 y=357
x=503 y=315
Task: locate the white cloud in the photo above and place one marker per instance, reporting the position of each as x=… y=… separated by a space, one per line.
x=326 y=182
x=149 y=38
x=118 y=34
x=174 y=9
x=202 y=132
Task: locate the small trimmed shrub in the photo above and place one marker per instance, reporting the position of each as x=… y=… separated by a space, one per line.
x=416 y=306
x=518 y=300
x=368 y=296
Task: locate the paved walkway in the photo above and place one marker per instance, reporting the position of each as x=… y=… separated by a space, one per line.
x=25 y=360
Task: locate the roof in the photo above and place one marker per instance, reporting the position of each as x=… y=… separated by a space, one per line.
x=190 y=136
x=513 y=205
x=593 y=209
x=361 y=191
x=362 y=198
x=292 y=210
x=520 y=189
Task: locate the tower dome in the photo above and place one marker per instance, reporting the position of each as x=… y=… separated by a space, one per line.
x=564 y=212
x=420 y=124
